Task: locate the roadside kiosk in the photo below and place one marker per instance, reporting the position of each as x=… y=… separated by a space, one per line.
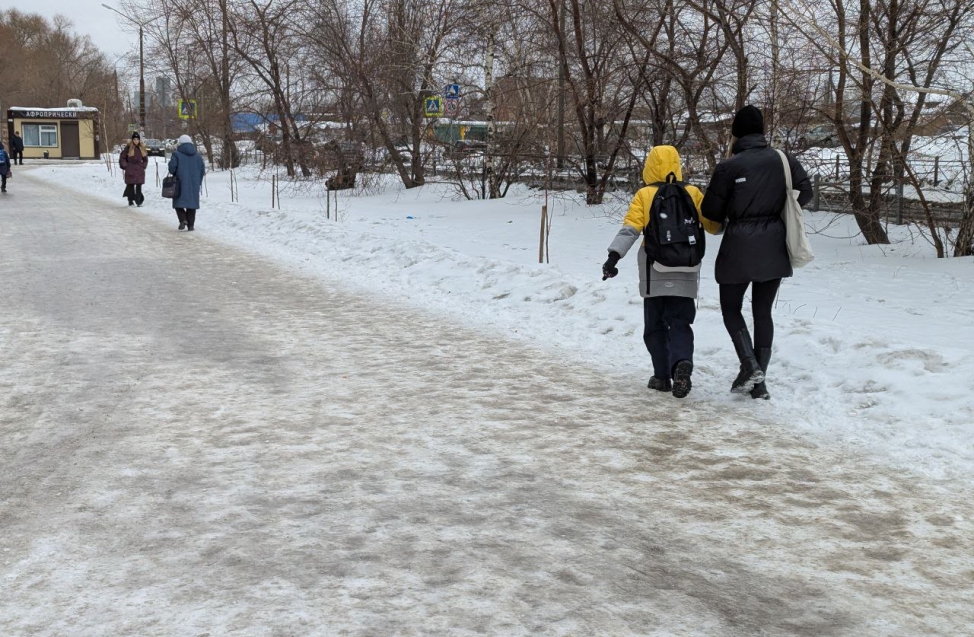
x=57 y=133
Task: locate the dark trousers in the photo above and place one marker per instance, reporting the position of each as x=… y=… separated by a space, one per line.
x=187 y=216
x=14 y=155
x=762 y=300
x=134 y=193
x=3 y=181
x=668 y=335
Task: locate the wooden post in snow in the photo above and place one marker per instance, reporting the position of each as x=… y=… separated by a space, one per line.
x=544 y=226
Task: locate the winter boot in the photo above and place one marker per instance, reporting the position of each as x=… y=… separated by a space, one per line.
x=660 y=384
x=750 y=374
x=763 y=354
x=681 y=379
x=181 y=215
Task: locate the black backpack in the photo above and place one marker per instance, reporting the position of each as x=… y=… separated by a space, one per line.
x=674 y=236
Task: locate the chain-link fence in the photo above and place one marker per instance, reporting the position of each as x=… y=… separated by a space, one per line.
x=929 y=184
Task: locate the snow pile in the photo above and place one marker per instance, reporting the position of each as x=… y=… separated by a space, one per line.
x=873 y=344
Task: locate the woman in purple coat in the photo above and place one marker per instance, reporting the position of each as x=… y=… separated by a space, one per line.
x=133 y=160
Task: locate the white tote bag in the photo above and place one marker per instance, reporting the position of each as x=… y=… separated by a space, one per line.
x=799 y=249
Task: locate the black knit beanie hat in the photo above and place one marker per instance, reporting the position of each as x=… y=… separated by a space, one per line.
x=136 y=135
x=748 y=121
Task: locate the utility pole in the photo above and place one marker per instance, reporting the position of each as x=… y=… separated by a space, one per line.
x=141 y=82
x=141 y=24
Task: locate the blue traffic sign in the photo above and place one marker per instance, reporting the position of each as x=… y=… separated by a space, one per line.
x=451 y=91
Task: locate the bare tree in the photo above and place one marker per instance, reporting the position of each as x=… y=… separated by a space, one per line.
x=689 y=44
x=207 y=30
x=787 y=74
x=878 y=51
x=388 y=51
x=265 y=36
x=603 y=85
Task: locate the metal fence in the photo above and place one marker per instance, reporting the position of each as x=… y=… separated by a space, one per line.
x=941 y=180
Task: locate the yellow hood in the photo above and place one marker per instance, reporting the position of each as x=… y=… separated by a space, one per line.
x=662 y=161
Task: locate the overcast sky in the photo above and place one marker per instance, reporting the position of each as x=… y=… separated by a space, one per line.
x=89 y=18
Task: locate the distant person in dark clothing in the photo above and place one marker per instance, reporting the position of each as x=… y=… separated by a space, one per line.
x=133 y=160
x=4 y=168
x=187 y=165
x=747 y=194
x=17 y=148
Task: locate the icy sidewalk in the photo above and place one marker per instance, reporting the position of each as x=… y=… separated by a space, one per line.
x=874 y=344
x=195 y=441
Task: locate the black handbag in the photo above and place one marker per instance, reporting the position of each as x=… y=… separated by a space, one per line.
x=170 y=187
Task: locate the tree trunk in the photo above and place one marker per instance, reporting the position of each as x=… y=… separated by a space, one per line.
x=872 y=230
x=493 y=192
x=964 y=247
x=230 y=157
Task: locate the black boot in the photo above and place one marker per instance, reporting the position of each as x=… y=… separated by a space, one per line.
x=660 y=384
x=763 y=354
x=750 y=374
x=681 y=379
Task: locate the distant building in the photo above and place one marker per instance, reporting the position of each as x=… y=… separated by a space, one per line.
x=149 y=99
x=164 y=91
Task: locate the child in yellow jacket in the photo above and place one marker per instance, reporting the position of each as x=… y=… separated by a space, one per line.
x=669 y=294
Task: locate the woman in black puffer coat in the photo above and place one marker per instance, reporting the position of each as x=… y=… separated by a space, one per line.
x=747 y=194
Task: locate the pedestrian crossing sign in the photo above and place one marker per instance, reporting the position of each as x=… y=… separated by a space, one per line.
x=187 y=109
x=434 y=106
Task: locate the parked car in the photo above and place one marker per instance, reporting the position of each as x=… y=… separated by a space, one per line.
x=823 y=135
x=156 y=147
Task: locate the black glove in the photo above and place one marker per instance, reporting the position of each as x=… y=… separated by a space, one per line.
x=609 y=268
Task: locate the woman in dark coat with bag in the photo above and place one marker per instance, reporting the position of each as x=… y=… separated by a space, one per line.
x=188 y=167
x=133 y=161
x=747 y=194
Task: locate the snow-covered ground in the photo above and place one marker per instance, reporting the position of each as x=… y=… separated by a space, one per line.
x=873 y=344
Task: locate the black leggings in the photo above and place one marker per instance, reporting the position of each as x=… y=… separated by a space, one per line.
x=762 y=299
x=134 y=193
